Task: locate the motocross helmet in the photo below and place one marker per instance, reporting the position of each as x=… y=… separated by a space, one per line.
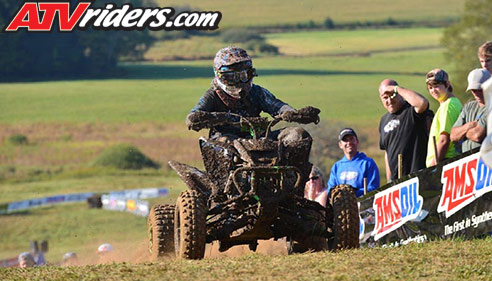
x=234 y=71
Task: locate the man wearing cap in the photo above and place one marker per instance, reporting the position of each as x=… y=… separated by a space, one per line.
x=471 y=126
x=354 y=166
x=403 y=130
x=440 y=89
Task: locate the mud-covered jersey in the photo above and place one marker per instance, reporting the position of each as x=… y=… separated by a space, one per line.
x=404 y=132
x=258 y=100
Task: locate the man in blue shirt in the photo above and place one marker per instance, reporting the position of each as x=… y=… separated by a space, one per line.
x=354 y=166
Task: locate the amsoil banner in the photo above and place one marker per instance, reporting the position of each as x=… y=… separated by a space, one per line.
x=452 y=199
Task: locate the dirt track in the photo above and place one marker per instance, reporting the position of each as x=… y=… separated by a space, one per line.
x=139 y=254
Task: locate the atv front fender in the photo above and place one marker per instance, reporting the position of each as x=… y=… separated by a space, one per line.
x=194 y=178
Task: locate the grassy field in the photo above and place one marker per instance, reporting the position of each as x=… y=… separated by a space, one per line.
x=357 y=42
x=278 y=12
x=144 y=92
x=312 y=43
x=445 y=260
x=75 y=227
x=68 y=123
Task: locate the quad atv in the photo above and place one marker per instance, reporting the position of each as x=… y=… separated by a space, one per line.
x=252 y=189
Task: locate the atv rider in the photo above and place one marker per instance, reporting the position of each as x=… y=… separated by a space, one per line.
x=232 y=91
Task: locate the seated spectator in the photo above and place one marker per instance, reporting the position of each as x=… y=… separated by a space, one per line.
x=70 y=259
x=26 y=260
x=440 y=89
x=471 y=126
x=403 y=129
x=354 y=166
x=485 y=56
x=315 y=187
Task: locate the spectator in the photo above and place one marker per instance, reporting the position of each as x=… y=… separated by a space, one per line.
x=26 y=260
x=440 y=89
x=403 y=129
x=70 y=259
x=471 y=126
x=315 y=187
x=485 y=56
x=354 y=166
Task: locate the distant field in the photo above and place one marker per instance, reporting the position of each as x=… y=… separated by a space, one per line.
x=64 y=119
x=318 y=43
x=165 y=92
x=278 y=12
x=311 y=43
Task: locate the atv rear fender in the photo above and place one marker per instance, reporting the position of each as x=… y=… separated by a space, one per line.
x=194 y=178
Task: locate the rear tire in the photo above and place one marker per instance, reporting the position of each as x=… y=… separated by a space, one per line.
x=345 y=218
x=190 y=227
x=160 y=229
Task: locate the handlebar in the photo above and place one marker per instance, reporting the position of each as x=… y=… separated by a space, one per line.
x=200 y=119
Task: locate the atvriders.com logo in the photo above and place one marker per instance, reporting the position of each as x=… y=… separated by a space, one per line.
x=39 y=16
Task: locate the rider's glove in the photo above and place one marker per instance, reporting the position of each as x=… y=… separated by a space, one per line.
x=202 y=119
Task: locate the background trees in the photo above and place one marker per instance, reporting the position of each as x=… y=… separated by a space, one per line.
x=462 y=40
x=61 y=55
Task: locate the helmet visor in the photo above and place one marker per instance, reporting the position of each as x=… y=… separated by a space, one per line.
x=236 y=77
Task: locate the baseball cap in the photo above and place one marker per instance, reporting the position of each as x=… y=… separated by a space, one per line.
x=476 y=78
x=437 y=76
x=345 y=132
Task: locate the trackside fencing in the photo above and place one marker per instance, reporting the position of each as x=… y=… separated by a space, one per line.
x=450 y=200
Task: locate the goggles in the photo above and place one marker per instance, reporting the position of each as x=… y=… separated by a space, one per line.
x=236 y=77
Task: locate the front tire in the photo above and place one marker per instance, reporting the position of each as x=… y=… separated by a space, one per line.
x=190 y=227
x=345 y=218
x=160 y=229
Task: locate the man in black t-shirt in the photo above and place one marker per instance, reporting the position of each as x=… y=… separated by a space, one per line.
x=403 y=130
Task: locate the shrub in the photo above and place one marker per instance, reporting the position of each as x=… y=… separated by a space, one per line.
x=329 y=24
x=267 y=48
x=240 y=35
x=124 y=156
x=18 y=139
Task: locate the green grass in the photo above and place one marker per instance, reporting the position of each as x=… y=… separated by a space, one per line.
x=444 y=260
x=312 y=43
x=189 y=48
x=87 y=181
x=278 y=12
x=354 y=42
x=169 y=90
x=73 y=226
x=68 y=123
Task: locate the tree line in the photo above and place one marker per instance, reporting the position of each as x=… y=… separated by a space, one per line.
x=58 y=55
x=96 y=53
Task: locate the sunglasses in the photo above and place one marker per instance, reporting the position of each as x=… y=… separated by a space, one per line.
x=314 y=178
x=234 y=77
